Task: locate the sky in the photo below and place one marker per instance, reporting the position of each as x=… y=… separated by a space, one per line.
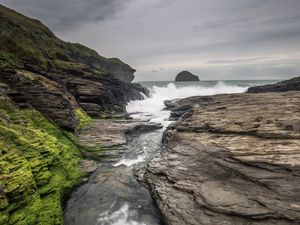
x=216 y=40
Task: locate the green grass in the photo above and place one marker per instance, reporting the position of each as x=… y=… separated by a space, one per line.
x=28 y=40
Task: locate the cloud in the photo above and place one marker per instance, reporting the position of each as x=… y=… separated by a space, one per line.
x=225 y=39
x=65 y=14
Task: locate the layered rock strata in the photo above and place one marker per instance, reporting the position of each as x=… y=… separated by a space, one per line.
x=231 y=159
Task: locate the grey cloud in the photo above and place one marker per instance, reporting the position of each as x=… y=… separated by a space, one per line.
x=224 y=39
x=158 y=70
x=65 y=14
x=237 y=60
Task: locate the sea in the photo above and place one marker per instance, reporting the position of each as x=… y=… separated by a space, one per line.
x=152 y=108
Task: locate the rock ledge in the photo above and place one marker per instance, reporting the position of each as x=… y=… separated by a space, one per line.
x=231 y=159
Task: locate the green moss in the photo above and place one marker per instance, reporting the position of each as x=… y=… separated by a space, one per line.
x=38 y=165
x=83 y=117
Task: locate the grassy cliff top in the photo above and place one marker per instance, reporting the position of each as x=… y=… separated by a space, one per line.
x=25 y=41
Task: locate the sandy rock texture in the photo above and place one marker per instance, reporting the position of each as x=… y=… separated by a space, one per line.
x=231 y=159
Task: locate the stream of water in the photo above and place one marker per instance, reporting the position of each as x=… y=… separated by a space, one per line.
x=113 y=196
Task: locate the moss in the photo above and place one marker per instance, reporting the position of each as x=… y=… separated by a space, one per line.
x=38 y=165
x=83 y=117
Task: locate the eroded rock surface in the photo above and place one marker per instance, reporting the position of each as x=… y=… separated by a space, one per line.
x=231 y=159
x=111 y=136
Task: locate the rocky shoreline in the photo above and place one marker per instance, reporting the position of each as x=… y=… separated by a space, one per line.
x=230 y=159
x=49 y=90
x=108 y=187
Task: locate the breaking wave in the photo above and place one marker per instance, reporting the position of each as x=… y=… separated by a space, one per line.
x=152 y=108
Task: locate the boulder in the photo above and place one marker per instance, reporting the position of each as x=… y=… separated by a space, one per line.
x=186 y=76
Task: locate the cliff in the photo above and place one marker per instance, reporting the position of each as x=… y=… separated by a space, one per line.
x=48 y=89
x=230 y=159
x=56 y=77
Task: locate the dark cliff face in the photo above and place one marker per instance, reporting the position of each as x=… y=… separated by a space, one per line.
x=283 y=86
x=58 y=77
x=186 y=76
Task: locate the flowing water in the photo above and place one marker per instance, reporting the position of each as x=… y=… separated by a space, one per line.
x=113 y=196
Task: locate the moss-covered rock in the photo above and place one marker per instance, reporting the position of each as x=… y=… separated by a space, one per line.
x=83 y=118
x=38 y=165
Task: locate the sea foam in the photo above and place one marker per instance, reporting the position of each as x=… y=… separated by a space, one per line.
x=152 y=108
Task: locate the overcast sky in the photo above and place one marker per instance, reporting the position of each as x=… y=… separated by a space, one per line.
x=221 y=39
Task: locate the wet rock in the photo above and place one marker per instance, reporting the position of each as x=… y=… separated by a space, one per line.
x=231 y=159
x=112 y=193
x=170 y=104
x=178 y=111
x=106 y=192
x=283 y=86
x=108 y=133
x=134 y=91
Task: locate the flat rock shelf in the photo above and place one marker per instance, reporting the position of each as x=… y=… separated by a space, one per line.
x=230 y=159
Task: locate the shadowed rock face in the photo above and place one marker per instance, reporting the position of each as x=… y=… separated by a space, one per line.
x=283 y=86
x=186 y=76
x=50 y=98
x=57 y=77
x=231 y=159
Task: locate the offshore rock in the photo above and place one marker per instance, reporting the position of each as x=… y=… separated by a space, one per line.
x=283 y=86
x=186 y=76
x=231 y=159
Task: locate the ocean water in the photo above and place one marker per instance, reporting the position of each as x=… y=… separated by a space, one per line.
x=152 y=108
